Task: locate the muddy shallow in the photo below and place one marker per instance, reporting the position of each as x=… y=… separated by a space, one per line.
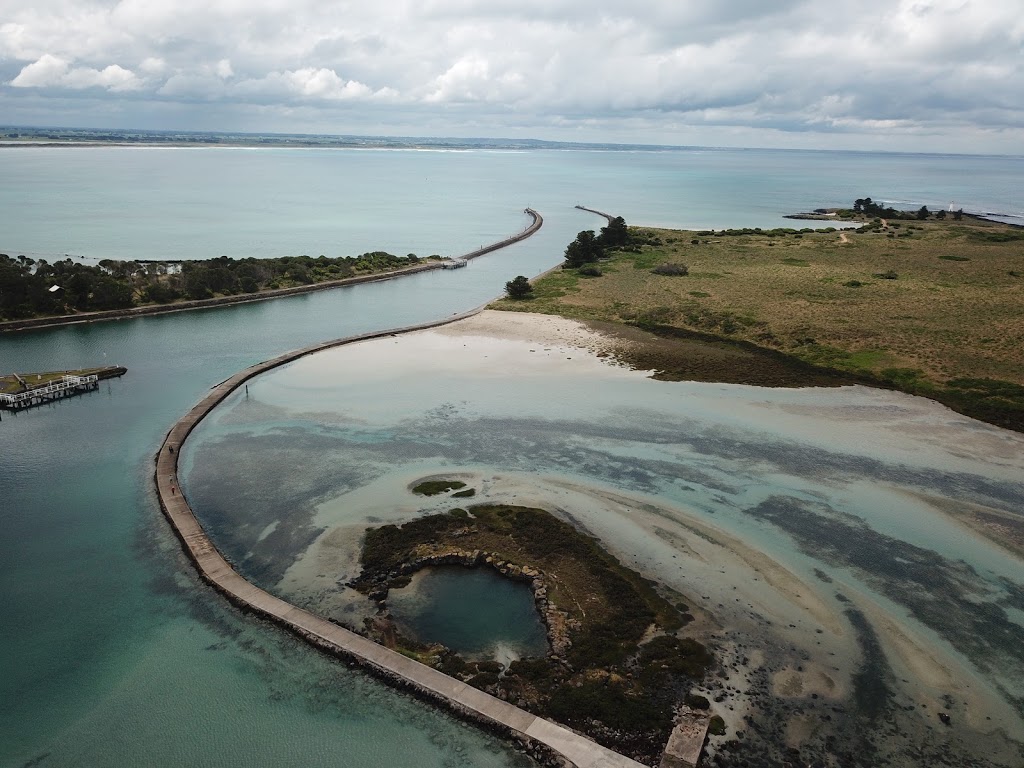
x=827 y=538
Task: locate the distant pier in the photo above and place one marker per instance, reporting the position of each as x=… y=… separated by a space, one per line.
x=56 y=387
x=608 y=216
x=538 y=222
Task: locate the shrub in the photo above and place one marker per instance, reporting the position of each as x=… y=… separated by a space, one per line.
x=590 y=271
x=695 y=701
x=434 y=487
x=716 y=726
x=672 y=270
x=889 y=275
x=519 y=288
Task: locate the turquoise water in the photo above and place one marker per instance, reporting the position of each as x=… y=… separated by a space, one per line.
x=474 y=611
x=111 y=650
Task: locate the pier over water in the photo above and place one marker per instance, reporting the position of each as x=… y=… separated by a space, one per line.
x=54 y=387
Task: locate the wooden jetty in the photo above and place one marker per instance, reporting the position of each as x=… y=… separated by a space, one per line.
x=55 y=386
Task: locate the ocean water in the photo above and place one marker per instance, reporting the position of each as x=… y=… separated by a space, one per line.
x=112 y=652
x=190 y=203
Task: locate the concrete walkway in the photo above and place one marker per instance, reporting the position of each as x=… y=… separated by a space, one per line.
x=459 y=697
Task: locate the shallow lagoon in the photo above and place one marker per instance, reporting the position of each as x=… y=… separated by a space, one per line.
x=476 y=612
x=822 y=530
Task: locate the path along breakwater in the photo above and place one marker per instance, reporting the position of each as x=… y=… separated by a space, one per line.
x=222 y=301
x=542 y=738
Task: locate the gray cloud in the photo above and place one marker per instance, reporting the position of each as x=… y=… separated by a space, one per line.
x=876 y=73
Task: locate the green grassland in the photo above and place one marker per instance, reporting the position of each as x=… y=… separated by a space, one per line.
x=929 y=307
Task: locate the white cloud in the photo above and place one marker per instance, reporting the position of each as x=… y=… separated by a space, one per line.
x=51 y=71
x=790 y=65
x=308 y=83
x=47 y=71
x=153 y=66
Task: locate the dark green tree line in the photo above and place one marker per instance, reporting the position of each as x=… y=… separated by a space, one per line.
x=30 y=288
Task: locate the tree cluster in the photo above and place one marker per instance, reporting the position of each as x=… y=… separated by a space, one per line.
x=30 y=288
x=869 y=207
x=588 y=247
x=27 y=288
x=519 y=288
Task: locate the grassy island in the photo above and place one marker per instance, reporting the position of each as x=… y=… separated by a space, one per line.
x=927 y=304
x=618 y=666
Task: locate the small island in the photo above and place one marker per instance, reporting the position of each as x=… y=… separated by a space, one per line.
x=620 y=666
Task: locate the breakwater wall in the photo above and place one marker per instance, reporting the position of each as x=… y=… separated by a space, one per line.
x=547 y=741
x=223 y=301
x=607 y=216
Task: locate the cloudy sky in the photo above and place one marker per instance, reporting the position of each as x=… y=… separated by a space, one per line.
x=934 y=75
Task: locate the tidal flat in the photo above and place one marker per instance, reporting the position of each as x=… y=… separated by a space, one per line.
x=826 y=538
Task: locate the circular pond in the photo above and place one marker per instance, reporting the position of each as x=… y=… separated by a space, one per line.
x=474 y=611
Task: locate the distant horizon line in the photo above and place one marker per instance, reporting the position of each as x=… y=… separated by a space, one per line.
x=328 y=140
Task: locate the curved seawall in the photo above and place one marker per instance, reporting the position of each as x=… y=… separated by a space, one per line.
x=546 y=740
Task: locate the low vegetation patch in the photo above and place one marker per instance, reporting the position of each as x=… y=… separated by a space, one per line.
x=672 y=270
x=435 y=487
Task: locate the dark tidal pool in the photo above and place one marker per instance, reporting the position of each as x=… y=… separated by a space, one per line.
x=474 y=611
